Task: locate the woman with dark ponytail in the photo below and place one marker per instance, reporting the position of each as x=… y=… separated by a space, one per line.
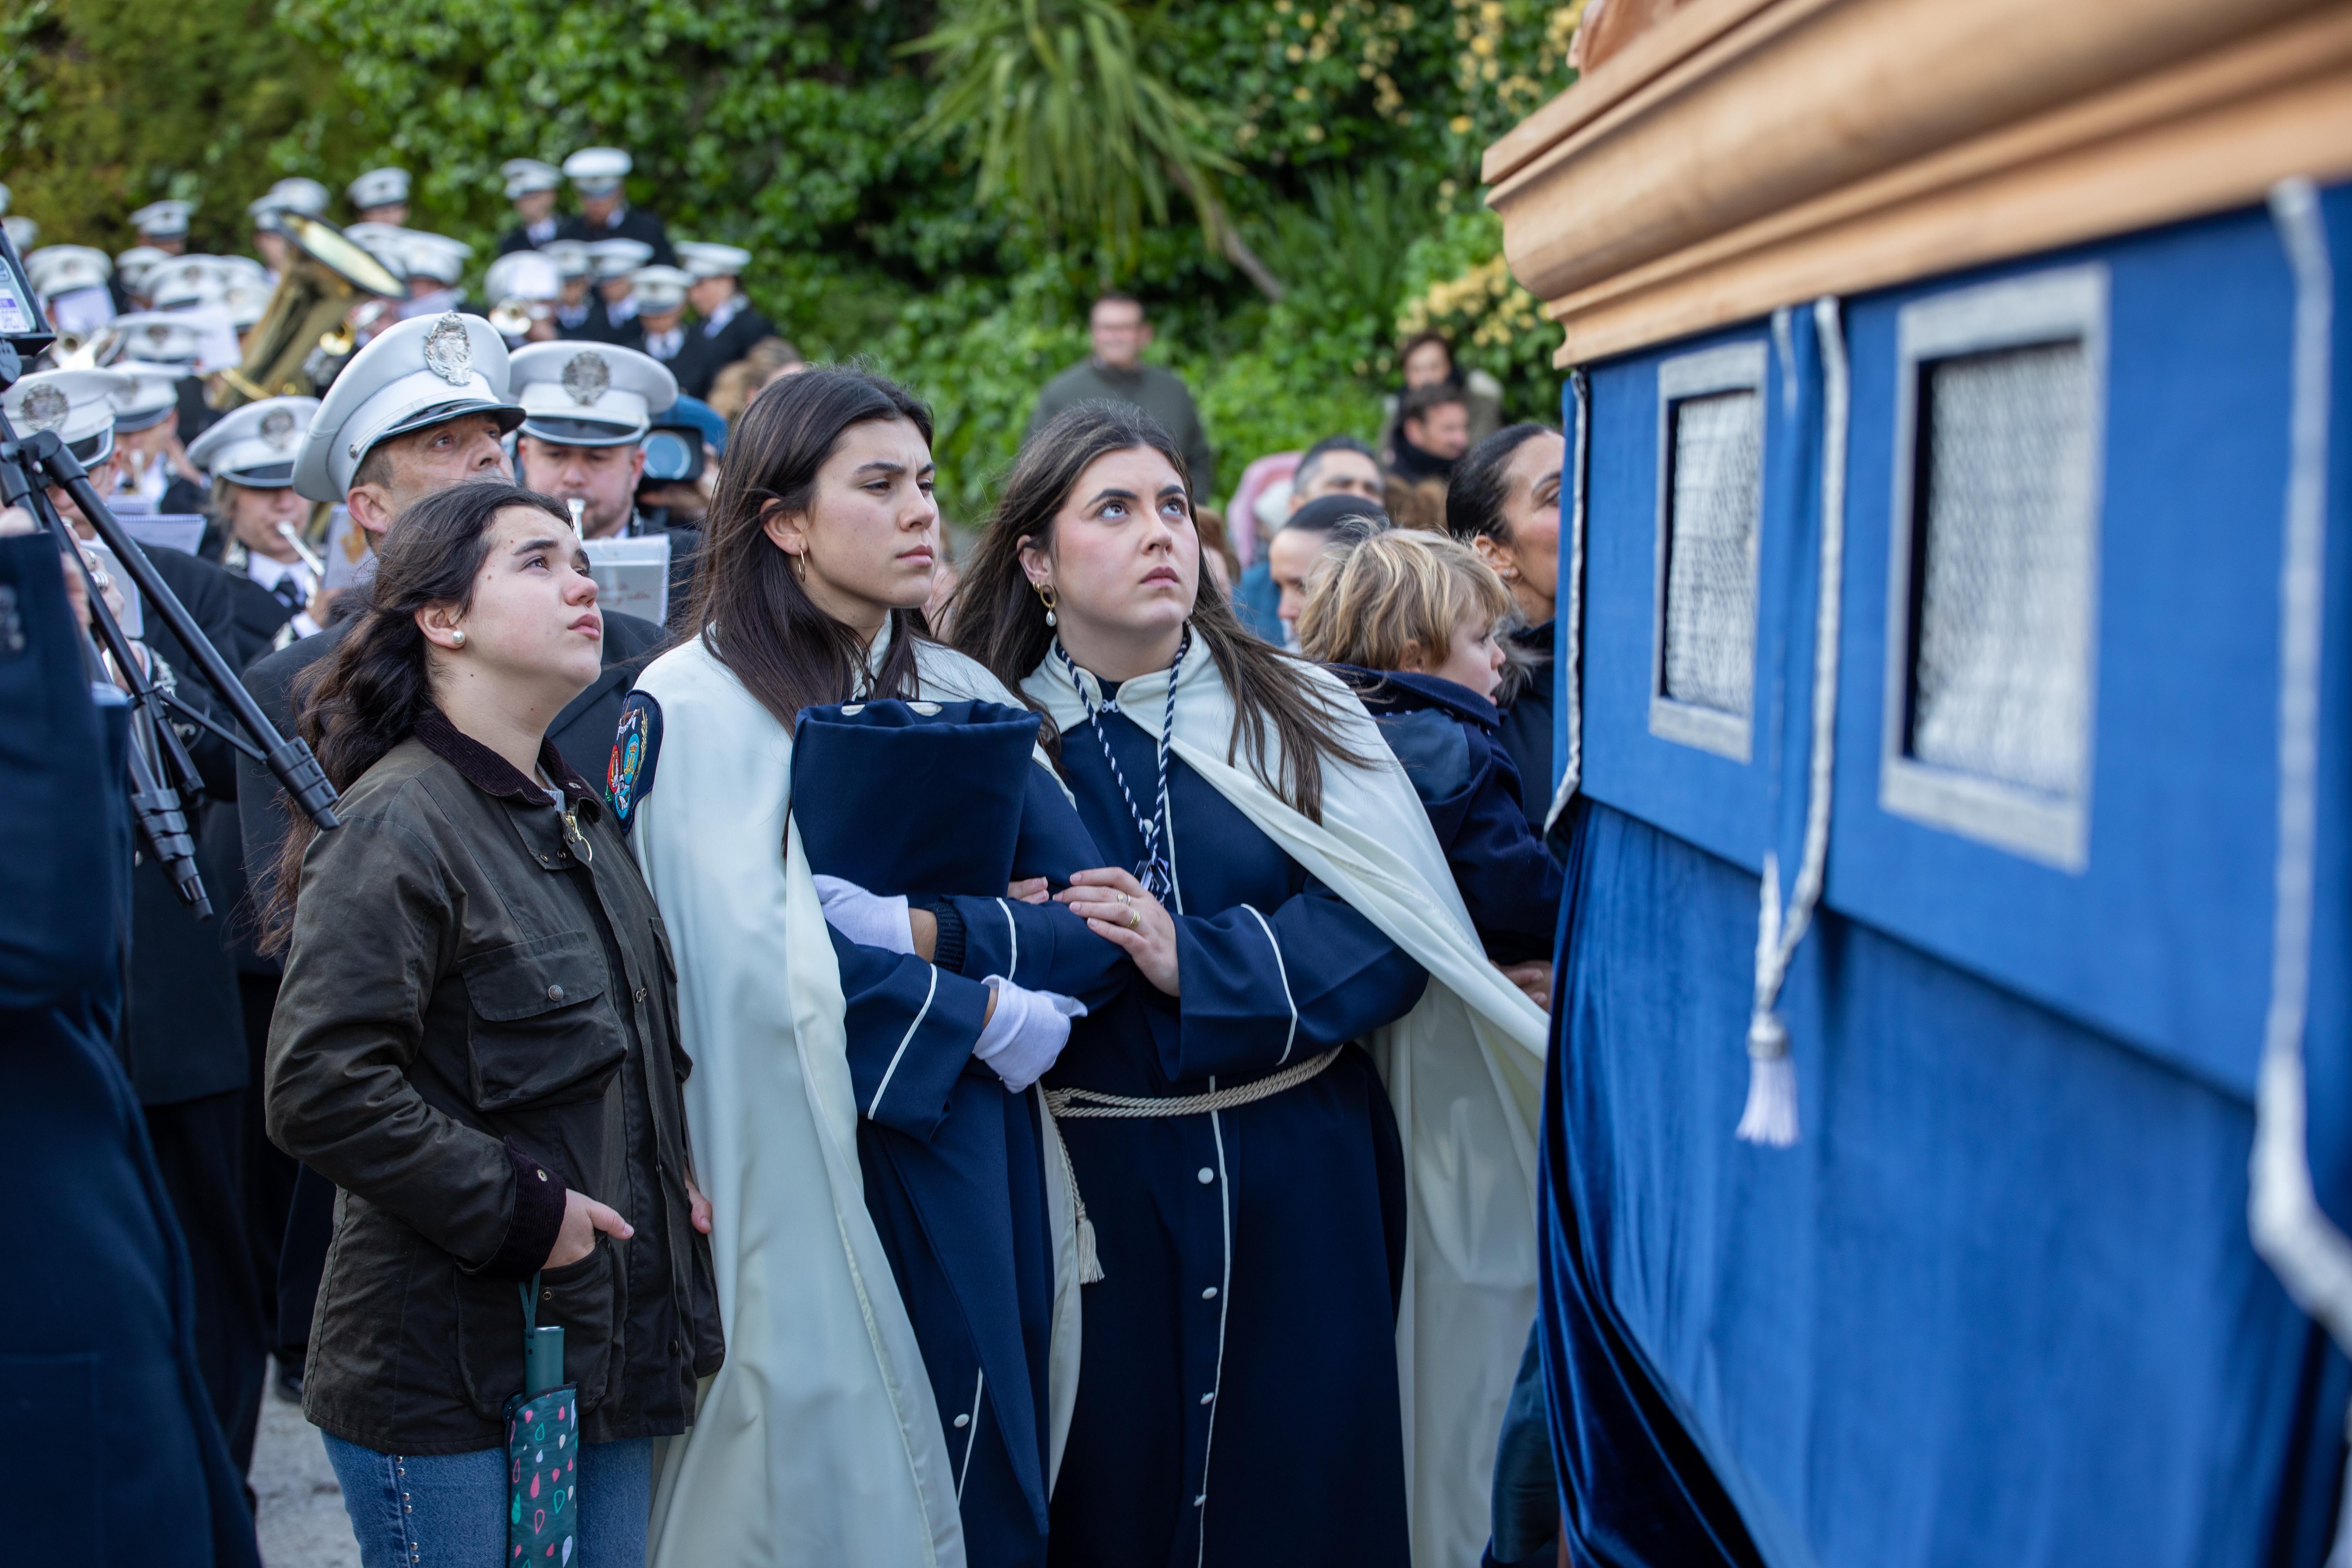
x=1234 y=1143
x=476 y=1042
x=1503 y=502
x=897 y=1251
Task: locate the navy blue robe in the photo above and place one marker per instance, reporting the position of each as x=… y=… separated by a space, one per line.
x=955 y=1175
x=1448 y=738
x=1238 y=1402
x=109 y=1453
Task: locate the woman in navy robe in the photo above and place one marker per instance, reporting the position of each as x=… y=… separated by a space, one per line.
x=1236 y=1155
x=818 y=558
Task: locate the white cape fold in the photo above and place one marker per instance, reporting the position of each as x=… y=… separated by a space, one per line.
x=1464 y=1071
x=819 y=1440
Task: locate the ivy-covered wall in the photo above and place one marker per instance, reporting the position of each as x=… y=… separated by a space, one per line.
x=1349 y=135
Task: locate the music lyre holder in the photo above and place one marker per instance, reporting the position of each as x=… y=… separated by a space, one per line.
x=28 y=465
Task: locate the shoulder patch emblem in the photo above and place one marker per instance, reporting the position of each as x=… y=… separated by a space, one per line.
x=629 y=778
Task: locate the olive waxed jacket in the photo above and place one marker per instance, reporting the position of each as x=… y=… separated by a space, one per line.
x=479 y=1011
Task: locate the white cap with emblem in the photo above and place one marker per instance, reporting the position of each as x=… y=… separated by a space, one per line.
x=616 y=258
x=590 y=394
x=153 y=337
x=379 y=188
x=705 y=259
x=56 y=270
x=421 y=372
x=152 y=396
x=254 y=446
x=164 y=220
x=524 y=175
x=660 y=290
x=596 y=171
x=79 y=404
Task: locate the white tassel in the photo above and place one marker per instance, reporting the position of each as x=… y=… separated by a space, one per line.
x=1770 y=1116
x=1090 y=1268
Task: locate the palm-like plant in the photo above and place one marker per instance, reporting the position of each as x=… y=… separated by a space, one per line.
x=1069 y=121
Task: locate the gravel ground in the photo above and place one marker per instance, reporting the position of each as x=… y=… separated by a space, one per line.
x=302 y=1523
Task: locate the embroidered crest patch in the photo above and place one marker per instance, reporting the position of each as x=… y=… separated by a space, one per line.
x=46 y=408
x=277 y=429
x=629 y=777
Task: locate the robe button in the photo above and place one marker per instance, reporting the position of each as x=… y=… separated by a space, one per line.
x=1201 y=1501
x=555 y=992
x=1208 y=1396
x=961 y=1422
x=1210 y=1294
x=1207 y=1175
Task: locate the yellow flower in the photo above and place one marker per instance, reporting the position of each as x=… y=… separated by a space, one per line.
x=1302 y=92
x=1294 y=54
x=1459 y=125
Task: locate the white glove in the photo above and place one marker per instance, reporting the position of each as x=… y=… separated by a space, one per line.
x=1026 y=1032
x=865 y=918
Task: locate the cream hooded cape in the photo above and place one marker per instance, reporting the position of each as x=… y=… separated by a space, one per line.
x=818 y=1442
x=1464 y=1071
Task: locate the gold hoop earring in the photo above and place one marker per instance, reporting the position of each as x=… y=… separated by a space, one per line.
x=800 y=567
x=1045 y=598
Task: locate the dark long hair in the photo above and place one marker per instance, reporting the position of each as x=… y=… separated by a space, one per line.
x=753 y=613
x=999 y=621
x=1480 y=484
x=364 y=699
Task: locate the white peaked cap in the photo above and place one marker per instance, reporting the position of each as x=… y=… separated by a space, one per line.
x=255 y=444
x=524 y=175
x=523 y=274
x=136 y=263
x=152 y=396
x=58 y=269
x=570 y=256
x=705 y=259
x=79 y=404
x=590 y=394
x=298 y=195
x=379 y=188
x=660 y=288
x=419 y=373
x=153 y=337
x=166 y=220
x=434 y=256
x=611 y=258
x=596 y=169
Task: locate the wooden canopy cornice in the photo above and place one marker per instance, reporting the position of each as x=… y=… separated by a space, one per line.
x=1745 y=155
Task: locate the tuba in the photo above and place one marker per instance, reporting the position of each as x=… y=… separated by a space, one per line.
x=327 y=273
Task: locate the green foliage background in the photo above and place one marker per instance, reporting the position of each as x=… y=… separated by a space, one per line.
x=1350 y=134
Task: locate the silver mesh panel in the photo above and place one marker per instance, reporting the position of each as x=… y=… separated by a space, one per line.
x=1710 y=611
x=2002 y=676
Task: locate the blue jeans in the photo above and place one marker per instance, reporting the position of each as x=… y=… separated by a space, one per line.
x=449 y=1511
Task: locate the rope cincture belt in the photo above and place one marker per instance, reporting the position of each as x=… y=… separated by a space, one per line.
x=1080 y=1103
x=1062 y=1104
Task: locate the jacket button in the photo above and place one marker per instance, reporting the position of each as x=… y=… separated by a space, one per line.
x=542 y=1175
x=1206 y=1175
x=961 y=1422
x=555 y=992
x=547 y=1295
x=641 y=993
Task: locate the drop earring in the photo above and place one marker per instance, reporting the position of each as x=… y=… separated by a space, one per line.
x=1045 y=598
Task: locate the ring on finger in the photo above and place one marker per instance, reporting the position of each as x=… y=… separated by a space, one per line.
x=1134 y=920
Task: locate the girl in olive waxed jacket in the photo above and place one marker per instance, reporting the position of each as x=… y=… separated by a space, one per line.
x=476 y=1042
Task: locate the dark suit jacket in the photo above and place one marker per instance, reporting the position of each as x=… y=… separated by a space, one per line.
x=598 y=328
x=184 y=1030
x=111 y=1455
x=704 y=354
x=583 y=731
x=635 y=223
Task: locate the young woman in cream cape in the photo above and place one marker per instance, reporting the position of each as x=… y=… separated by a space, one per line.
x=1306 y=1144
x=894 y=1394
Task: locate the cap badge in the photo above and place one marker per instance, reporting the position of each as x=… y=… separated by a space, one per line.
x=586 y=377
x=46 y=408
x=157 y=334
x=449 y=350
x=277 y=429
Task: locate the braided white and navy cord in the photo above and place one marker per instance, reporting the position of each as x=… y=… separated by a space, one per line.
x=1154 y=871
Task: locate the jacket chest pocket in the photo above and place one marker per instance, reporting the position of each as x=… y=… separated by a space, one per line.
x=542 y=1029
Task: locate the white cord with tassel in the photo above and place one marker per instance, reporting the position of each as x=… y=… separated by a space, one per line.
x=1769 y=1117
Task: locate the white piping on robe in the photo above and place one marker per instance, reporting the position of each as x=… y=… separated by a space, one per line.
x=899 y=1054
x=1282 y=970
